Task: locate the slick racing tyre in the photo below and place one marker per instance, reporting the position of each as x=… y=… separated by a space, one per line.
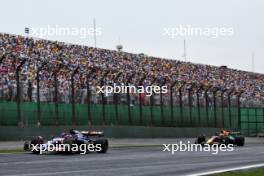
x=240 y=141
x=36 y=142
x=27 y=146
x=104 y=145
x=200 y=140
x=68 y=145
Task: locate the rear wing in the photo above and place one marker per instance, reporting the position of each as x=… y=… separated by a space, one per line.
x=229 y=132
x=93 y=133
x=235 y=132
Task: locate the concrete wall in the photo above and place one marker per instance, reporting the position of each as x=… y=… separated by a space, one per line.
x=15 y=133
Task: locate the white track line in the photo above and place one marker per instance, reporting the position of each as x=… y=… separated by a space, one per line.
x=227 y=170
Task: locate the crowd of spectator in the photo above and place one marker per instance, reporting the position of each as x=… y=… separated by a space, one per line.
x=101 y=66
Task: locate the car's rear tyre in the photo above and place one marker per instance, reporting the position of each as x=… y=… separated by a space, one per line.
x=36 y=142
x=200 y=140
x=240 y=141
x=104 y=145
x=27 y=146
x=69 y=142
x=227 y=141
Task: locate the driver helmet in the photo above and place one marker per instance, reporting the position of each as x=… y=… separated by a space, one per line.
x=72 y=131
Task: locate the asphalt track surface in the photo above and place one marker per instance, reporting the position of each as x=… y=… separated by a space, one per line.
x=129 y=161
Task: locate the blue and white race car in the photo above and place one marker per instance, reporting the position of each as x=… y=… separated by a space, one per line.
x=73 y=142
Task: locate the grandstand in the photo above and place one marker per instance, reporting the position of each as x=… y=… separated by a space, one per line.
x=156 y=70
x=43 y=71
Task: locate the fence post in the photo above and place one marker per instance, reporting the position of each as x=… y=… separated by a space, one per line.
x=140 y=101
x=73 y=96
x=207 y=104
x=263 y=119
x=229 y=107
x=152 y=104
x=103 y=102
x=256 y=122
x=151 y=109
x=190 y=104
x=248 y=126
x=103 y=97
x=161 y=106
x=39 y=68
x=161 y=110
x=239 y=110
x=38 y=98
x=171 y=102
x=180 y=98
x=214 y=101
x=198 y=104
x=20 y=123
x=55 y=73
x=2 y=95
x=88 y=97
x=56 y=98
x=222 y=107
x=128 y=99
x=116 y=101
x=88 y=75
x=18 y=97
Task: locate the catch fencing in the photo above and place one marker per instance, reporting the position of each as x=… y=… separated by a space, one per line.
x=23 y=103
x=250 y=120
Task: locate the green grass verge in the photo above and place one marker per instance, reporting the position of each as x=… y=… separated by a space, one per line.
x=251 y=172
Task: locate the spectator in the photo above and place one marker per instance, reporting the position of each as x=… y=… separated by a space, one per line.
x=64 y=58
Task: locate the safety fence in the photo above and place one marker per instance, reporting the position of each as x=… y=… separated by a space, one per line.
x=252 y=121
x=248 y=120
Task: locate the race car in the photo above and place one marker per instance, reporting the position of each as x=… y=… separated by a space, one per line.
x=73 y=142
x=223 y=137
